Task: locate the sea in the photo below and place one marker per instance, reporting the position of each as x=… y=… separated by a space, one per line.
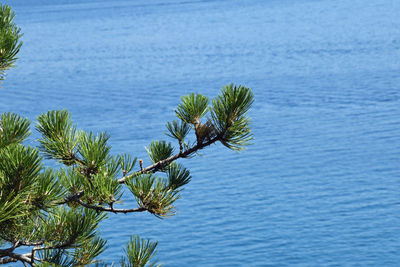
x=319 y=186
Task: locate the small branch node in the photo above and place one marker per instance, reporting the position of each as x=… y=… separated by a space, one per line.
x=141 y=165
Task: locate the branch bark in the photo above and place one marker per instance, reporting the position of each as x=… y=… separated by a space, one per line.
x=14 y=257
x=7 y=260
x=59 y=246
x=101 y=208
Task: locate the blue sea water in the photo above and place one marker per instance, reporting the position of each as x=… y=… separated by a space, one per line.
x=321 y=184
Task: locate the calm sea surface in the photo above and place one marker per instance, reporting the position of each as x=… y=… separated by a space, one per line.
x=321 y=184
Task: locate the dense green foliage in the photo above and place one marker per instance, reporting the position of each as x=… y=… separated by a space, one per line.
x=9 y=39
x=54 y=213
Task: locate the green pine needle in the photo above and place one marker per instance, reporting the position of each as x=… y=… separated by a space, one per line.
x=192 y=108
x=177 y=175
x=10 y=43
x=59 y=136
x=153 y=194
x=48 y=190
x=126 y=163
x=19 y=167
x=229 y=116
x=159 y=150
x=177 y=129
x=94 y=151
x=13 y=129
x=139 y=253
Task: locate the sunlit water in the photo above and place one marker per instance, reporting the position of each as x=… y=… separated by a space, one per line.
x=320 y=185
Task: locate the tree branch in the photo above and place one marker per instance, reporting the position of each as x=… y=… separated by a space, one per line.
x=22 y=243
x=6 y=251
x=14 y=257
x=158 y=165
x=101 y=208
x=60 y=246
x=152 y=168
x=7 y=260
x=72 y=197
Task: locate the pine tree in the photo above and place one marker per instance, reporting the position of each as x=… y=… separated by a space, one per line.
x=54 y=213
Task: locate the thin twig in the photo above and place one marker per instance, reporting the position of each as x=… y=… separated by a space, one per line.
x=60 y=246
x=101 y=208
x=72 y=197
x=22 y=243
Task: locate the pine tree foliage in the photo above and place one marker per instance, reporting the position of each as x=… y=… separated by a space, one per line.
x=9 y=39
x=59 y=136
x=127 y=163
x=13 y=129
x=50 y=216
x=9 y=206
x=94 y=151
x=192 y=108
x=178 y=129
x=177 y=175
x=153 y=194
x=139 y=253
x=56 y=212
x=159 y=150
x=229 y=116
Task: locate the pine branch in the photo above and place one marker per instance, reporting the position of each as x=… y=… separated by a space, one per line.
x=152 y=168
x=101 y=208
x=30 y=243
x=158 y=165
x=9 y=39
x=7 y=260
x=76 y=198
x=14 y=257
x=59 y=246
x=4 y=252
x=73 y=197
x=30 y=205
